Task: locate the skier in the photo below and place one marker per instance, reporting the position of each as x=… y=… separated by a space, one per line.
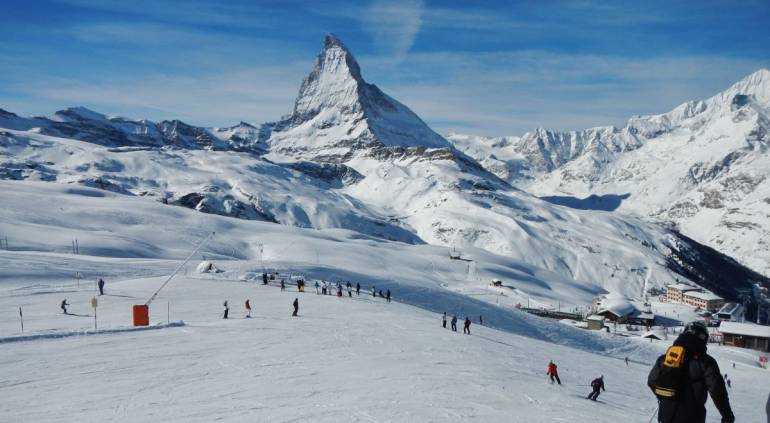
x=454 y=323
x=626 y=361
x=596 y=384
x=381 y=296
x=283 y=285
x=467 y=326
x=64 y=305
x=481 y=319
x=296 y=307
x=687 y=364
x=374 y=292
x=728 y=382
x=316 y=287
x=339 y=290
x=443 y=321
x=358 y=288
x=387 y=295
x=553 y=372
x=248 y=309
x=101 y=286
x=350 y=290
x=227 y=310
x=264 y=278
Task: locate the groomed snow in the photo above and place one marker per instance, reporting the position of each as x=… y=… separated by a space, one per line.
x=356 y=360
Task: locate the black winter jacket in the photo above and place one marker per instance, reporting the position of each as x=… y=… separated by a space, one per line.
x=704 y=378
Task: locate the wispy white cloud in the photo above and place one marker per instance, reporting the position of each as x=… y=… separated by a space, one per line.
x=393 y=25
x=510 y=93
x=255 y=95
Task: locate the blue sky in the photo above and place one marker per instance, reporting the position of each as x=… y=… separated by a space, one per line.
x=483 y=67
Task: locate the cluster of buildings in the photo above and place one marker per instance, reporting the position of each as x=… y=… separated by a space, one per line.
x=617 y=308
x=696 y=297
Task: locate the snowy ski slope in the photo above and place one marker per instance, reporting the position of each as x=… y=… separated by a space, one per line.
x=356 y=360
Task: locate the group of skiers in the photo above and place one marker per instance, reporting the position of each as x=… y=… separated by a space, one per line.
x=247 y=306
x=453 y=323
x=322 y=288
x=63 y=305
x=681 y=379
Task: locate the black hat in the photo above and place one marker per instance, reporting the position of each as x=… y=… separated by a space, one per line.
x=698 y=329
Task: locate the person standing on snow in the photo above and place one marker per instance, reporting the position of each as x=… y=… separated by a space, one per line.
x=227 y=310
x=358 y=288
x=101 y=286
x=699 y=375
x=264 y=278
x=350 y=290
x=454 y=323
x=316 y=287
x=374 y=292
x=296 y=307
x=443 y=321
x=481 y=319
x=553 y=372
x=248 y=309
x=467 y=326
x=339 y=290
x=387 y=295
x=626 y=361
x=596 y=384
x=283 y=285
x=64 y=306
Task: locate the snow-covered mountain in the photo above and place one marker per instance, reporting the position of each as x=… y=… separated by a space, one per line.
x=337 y=113
x=702 y=167
x=86 y=125
x=350 y=157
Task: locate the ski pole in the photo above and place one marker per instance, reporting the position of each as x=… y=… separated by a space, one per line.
x=654 y=413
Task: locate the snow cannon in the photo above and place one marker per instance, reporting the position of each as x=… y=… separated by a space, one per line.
x=141 y=312
x=141 y=315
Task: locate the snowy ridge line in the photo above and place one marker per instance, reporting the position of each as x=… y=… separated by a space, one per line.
x=54 y=335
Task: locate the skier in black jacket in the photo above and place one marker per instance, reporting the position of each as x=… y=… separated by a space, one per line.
x=596 y=384
x=702 y=378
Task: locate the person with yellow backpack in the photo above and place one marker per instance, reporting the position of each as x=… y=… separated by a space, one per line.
x=683 y=378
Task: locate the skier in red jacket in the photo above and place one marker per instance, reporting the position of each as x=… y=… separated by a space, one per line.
x=553 y=373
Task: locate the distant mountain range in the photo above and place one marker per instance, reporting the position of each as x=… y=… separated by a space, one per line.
x=350 y=157
x=701 y=168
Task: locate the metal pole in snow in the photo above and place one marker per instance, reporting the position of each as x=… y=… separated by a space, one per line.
x=205 y=240
x=21 y=319
x=94 y=303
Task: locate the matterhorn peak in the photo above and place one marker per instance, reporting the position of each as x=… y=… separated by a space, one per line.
x=336 y=109
x=331 y=40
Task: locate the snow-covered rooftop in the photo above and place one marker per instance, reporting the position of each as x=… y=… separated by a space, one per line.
x=749 y=329
x=708 y=296
x=595 y=317
x=617 y=306
x=682 y=287
x=729 y=308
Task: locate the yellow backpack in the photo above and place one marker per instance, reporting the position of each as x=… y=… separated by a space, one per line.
x=672 y=375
